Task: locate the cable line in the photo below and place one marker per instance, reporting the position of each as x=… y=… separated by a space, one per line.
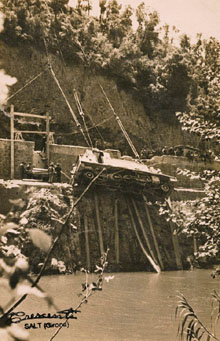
x=28 y=83
x=62 y=92
x=121 y=125
x=68 y=104
x=79 y=107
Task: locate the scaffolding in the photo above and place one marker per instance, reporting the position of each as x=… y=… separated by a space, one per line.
x=15 y=133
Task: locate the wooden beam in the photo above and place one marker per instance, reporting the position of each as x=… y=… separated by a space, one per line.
x=175 y=240
x=150 y=259
x=153 y=234
x=30 y=132
x=48 y=133
x=30 y=115
x=12 y=142
x=143 y=231
x=116 y=233
x=195 y=246
x=176 y=247
x=87 y=242
x=101 y=245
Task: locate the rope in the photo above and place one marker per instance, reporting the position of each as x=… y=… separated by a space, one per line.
x=63 y=94
x=121 y=125
x=97 y=125
x=28 y=83
x=79 y=107
x=67 y=103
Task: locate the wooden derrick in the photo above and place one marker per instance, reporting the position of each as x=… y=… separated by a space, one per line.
x=150 y=259
x=101 y=244
x=116 y=233
x=153 y=234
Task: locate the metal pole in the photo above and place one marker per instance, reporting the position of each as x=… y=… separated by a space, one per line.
x=12 y=142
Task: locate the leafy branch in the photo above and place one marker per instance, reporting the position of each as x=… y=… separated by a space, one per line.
x=89 y=289
x=14 y=268
x=190 y=326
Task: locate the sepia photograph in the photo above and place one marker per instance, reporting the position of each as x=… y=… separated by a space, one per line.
x=109 y=170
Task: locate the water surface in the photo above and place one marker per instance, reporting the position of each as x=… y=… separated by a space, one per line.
x=133 y=306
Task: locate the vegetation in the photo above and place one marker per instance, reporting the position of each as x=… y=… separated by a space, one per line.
x=166 y=76
x=191 y=327
x=200 y=218
x=16 y=230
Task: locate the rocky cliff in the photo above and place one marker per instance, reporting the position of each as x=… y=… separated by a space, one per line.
x=103 y=219
x=150 y=131
x=42 y=95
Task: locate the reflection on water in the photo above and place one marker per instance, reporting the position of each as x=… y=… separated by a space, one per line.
x=133 y=306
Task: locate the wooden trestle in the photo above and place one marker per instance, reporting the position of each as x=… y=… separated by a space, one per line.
x=144 y=232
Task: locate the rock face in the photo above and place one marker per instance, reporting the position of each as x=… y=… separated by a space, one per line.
x=42 y=95
x=110 y=212
x=103 y=219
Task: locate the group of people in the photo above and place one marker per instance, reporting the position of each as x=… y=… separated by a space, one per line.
x=197 y=155
x=25 y=170
x=54 y=173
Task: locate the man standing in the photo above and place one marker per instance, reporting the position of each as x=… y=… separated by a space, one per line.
x=44 y=144
x=58 y=172
x=51 y=172
x=28 y=170
x=22 y=170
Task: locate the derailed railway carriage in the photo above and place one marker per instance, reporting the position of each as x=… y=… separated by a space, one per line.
x=124 y=174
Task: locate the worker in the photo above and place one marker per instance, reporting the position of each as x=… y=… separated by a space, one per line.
x=44 y=143
x=51 y=172
x=58 y=172
x=22 y=170
x=28 y=170
x=59 y=139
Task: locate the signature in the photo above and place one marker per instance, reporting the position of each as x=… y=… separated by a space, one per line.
x=19 y=316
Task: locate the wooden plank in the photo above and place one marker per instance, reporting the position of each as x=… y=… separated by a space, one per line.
x=116 y=233
x=30 y=115
x=101 y=245
x=87 y=242
x=143 y=231
x=175 y=240
x=48 y=133
x=12 y=141
x=195 y=246
x=150 y=259
x=153 y=234
x=176 y=247
x=31 y=131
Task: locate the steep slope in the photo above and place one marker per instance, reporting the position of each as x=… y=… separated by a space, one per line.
x=42 y=95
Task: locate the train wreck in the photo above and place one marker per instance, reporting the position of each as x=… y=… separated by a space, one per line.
x=125 y=174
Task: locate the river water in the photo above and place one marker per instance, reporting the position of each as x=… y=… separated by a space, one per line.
x=132 y=306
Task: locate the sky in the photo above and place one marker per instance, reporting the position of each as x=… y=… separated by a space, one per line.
x=189 y=16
